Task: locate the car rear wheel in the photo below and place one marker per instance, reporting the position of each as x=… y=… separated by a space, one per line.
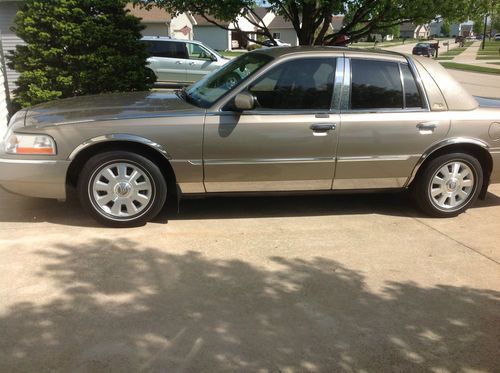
x=122 y=189
x=449 y=185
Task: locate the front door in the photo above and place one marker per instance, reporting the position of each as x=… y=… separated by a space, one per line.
x=287 y=142
x=200 y=63
x=386 y=125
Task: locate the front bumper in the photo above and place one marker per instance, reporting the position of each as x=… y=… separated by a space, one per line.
x=34 y=178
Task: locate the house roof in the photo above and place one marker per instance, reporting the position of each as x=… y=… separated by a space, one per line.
x=407 y=26
x=261 y=11
x=154 y=15
x=280 y=22
x=201 y=21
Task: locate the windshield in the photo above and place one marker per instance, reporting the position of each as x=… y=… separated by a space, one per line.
x=215 y=85
x=423 y=45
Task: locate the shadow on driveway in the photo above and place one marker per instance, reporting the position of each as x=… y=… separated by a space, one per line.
x=128 y=308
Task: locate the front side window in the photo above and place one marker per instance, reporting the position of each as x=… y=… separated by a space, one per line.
x=197 y=52
x=218 y=83
x=301 y=84
x=375 y=85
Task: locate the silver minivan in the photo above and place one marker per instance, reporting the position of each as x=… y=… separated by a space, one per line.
x=181 y=62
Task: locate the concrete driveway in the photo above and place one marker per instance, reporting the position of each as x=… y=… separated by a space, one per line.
x=353 y=283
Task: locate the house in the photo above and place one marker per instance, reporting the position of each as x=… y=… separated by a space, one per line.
x=414 y=31
x=435 y=28
x=159 y=22
x=283 y=29
x=221 y=39
x=337 y=23
x=4 y=94
x=8 y=39
x=467 y=29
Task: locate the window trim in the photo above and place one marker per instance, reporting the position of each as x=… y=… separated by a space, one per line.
x=218 y=108
x=347 y=88
x=202 y=47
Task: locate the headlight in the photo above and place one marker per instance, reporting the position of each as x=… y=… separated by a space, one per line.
x=30 y=144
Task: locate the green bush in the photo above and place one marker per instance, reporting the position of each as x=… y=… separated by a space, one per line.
x=77 y=47
x=252 y=47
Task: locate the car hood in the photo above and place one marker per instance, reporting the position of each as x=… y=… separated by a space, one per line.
x=112 y=106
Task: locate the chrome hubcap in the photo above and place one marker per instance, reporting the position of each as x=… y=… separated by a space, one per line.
x=121 y=189
x=452 y=186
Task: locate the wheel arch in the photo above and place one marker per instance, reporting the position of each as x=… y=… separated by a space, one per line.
x=474 y=147
x=136 y=144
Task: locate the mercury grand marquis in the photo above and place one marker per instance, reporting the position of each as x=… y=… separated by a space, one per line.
x=299 y=119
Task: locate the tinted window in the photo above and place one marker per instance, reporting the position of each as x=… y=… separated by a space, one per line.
x=166 y=49
x=413 y=99
x=303 y=84
x=376 y=85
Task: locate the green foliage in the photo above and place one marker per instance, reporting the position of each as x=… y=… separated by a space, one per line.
x=77 y=47
x=312 y=18
x=446 y=28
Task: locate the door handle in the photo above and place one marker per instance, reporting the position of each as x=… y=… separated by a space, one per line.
x=426 y=128
x=319 y=127
x=191 y=63
x=178 y=62
x=322 y=129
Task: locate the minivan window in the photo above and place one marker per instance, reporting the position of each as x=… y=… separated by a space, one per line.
x=166 y=49
x=301 y=84
x=375 y=85
x=197 y=52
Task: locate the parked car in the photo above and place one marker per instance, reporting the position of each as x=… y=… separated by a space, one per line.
x=275 y=43
x=497 y=36
x=298 y=119
x=424 y=49
x=181 y=62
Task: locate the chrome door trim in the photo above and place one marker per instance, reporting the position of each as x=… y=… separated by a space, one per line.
x=345 y=96
x=257 y=161
x=337 y=84
x=118 y=137
x=440 y=145
x=378 y=158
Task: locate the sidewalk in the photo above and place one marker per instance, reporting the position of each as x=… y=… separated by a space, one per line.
x=468 y=56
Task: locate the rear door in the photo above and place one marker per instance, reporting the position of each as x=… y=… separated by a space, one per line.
x=386 y=124
x=168 y=60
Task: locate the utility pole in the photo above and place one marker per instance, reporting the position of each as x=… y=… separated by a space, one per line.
x=484 y=31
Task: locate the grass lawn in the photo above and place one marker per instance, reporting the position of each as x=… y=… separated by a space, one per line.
x=471 y=68
x=445 y=58
x=232 y=53
x=494 y=63
x=490 y=52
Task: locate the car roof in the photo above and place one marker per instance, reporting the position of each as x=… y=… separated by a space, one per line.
x=168 y=38
x=278 y=52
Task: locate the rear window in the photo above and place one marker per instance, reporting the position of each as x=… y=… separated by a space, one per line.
x=168 y=49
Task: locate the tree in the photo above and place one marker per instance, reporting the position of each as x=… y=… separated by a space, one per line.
x=77 y=47
x=311 y=19
x=446 y=28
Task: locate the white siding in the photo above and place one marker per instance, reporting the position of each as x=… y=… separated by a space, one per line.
x=287 y=35
x=8 y=12
x=3 y=102
x=213 y=36
x=180 y=22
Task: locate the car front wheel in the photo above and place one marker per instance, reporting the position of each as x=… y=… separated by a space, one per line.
x=449 y=185
x=121 y=189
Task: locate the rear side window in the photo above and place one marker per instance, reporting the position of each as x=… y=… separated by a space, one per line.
x=167 y=49
x=376 y=85
x=413 y=98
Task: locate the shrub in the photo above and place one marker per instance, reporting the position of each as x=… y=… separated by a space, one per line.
x=77 y=47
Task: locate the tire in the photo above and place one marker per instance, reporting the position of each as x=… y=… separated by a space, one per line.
x=448 y=185
x=121 y=189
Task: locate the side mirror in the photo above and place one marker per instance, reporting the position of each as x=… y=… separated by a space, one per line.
x=212 y=58
x=244 y=101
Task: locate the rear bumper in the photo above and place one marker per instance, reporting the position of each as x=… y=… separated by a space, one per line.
x=34 y=178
